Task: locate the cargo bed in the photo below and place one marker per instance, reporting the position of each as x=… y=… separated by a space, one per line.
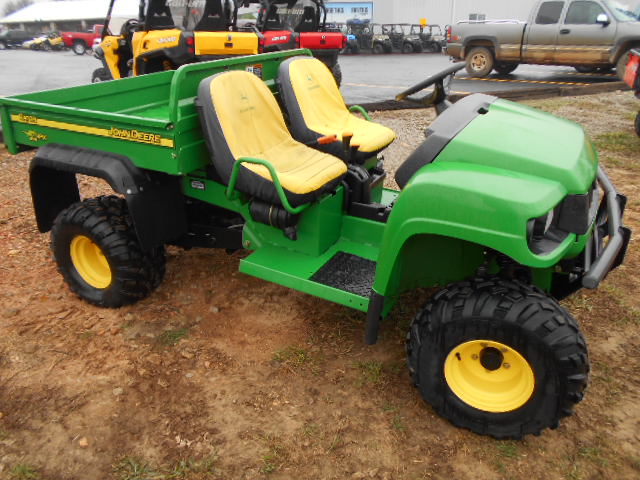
x=151 y=119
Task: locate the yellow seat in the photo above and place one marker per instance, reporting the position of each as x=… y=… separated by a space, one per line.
x=241 y=118
x=316 y=108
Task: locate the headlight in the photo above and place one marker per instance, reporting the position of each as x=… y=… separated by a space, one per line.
x=538 y=227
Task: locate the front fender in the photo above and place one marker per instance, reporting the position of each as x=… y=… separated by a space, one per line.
x=473 y=204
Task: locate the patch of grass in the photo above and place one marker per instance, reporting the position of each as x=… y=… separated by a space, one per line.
x=296 y=358
x=633 y=314
x=389 y=407
x=23 y=471
x=633 y=317
x=169 y=338
x=397 y=423
x=370 y=372
x=87 y=334
x=594 y=455
x=310 y=430
x=130 y=468
x=507 y=449
x=293 y=356
x=185 y=469
x=274 y=457
x=335 y=442
x=604 y=374
x=3 y=434
x=618 y=142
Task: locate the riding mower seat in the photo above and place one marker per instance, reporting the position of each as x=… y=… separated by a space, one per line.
x=308 y=22
x=159 y=16
x=273 y=21
x=316 y=109
x=213 y=18
x=241 y=119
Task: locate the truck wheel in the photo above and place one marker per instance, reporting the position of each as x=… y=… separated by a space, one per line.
x=621 y=64
x=497 y=357
x=479 y=62
x=407 y=48
x=101 y=75
x=378 y=48
x=98 y=254
x=79 y=47
x=337 y=73
x=505 y=68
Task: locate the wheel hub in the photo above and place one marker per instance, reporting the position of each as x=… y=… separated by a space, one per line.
x=489 y=376
x=479 y=62
x=90 y=262
x=491 y=358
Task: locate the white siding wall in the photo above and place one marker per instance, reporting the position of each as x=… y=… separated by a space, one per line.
x=448 y=11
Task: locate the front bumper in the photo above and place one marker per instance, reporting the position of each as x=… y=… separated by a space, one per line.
x=604 y=249
x=600 y=259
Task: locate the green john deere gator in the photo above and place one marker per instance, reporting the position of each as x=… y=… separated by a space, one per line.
x=503 y=204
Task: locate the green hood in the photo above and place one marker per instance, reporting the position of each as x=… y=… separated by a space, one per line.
x=520 y=139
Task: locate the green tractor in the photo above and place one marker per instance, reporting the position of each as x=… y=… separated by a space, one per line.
x=203 y=157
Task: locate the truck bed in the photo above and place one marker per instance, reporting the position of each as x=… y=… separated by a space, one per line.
x=152 y=119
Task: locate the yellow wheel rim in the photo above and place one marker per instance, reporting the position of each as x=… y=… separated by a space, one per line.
x=90 y=262
x=489 y=376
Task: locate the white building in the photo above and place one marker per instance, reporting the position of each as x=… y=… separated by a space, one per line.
x=446 y=12
x=442 y=12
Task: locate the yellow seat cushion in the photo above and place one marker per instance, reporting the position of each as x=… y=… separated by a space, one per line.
x=253 y=126
x=323 y=108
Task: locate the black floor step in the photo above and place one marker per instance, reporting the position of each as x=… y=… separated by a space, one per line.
x=348 y=273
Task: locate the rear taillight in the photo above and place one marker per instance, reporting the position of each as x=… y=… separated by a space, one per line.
x=189 y=41
x=448 y=34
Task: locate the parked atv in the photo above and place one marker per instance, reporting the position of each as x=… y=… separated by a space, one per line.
x=368 y=37
x=202 y=157
x=431 y=37
x=35 y=43
x=402 y=39
x=169 y=34
x=287 y=24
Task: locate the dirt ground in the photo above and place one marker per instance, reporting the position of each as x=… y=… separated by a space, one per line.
x=224 y=376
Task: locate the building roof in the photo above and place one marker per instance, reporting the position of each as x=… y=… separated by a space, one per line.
x=72 y=10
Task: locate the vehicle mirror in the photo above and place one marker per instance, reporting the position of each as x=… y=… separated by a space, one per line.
x=603 y=19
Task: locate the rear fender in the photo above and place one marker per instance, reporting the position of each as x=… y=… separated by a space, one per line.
x=479 y=41
x=155 y=200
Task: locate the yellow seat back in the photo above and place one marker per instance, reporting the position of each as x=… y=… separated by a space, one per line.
x=316 y=108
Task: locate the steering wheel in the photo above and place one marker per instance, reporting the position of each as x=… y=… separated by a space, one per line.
x=442 y=87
